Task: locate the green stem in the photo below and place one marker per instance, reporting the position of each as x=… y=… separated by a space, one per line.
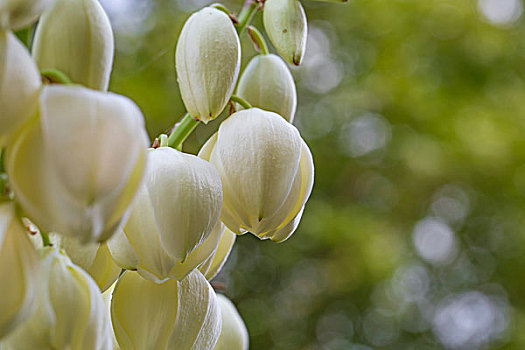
x=245 y=104
x=182 y=131
x=246 y=15
x=54 y=76
x=46 y=242
x=258 y=40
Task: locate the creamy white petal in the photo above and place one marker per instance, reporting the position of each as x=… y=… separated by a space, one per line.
x=94 y=258
x=75 y=37
x=207 y=61
x=267 y=83
x=180 y=315
x=213 y=265
x=234 y=335
x=19 y=272
x=66 y=287
x=19 y=85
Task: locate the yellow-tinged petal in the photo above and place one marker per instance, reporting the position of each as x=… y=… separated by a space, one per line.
x=19 y=85
x=19 y=272
x=234 y=335
x=213 y=265
x=182 y=315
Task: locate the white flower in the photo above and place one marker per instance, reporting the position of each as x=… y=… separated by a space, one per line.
x=17 y=14
x=285 y=24
x=174 y=223
x=19 y=85
x=207 y=59
x=76 y=169
x=75 y=37
x=214 y=263
x=19 y=271
x=267 y=83
x=70 y=313
x=174 y=315
x=234 y=335
x=266 y=170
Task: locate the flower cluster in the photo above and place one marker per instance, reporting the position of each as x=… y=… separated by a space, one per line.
x=106 y=243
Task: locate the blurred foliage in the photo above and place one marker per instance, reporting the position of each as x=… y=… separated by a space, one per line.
x=415 y=113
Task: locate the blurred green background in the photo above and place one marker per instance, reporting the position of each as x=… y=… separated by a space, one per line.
x=414 y=234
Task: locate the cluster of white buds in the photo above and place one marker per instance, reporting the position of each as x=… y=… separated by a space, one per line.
x=106 y=244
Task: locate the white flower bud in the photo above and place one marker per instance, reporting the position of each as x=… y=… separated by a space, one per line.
x=267 y=83
x=266 y=170
x=234 y=335
x=19 y=85
x=174 y=315
x=174 y=223
x=17 y=14
x=75 y=37
x=76 y=169
x=285 y=24
x=94 y=258
x=213 y=265
x=70 y=311
x=19 y=271
x=207 y=60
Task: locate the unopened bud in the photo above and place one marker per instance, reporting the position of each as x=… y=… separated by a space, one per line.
x=267 y=83
x=75 y=37
x=207 y=59
x=285 y=23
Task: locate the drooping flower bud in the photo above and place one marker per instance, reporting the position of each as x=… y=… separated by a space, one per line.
x=17 y=14
x=88 y=149
x=267 y=83
x=70 y=311
x=285 y=24
x=19 y=85
x=213 y=265
x=19 y=271
x=94 y=258
x=266 y=170
x=207 y=61
x=75 y=37
x=174 y=223
x=181 y=315
x=234 y=335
